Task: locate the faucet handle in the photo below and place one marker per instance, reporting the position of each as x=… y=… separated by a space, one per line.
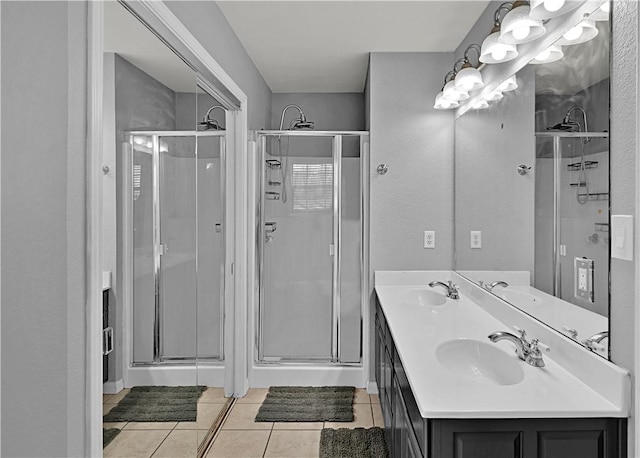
x=573 y=333
x=537 y=345
x=520 y=331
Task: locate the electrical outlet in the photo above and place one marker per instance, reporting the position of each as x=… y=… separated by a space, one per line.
x=476 y=239
x=429 y=239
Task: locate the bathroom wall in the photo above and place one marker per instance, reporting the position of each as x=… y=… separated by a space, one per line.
x=43 y=61
x=207 y=23
x=624 y=191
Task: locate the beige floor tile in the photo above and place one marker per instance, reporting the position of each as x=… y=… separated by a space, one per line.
x=151 y=425
x=378 y=419
x=207 y=413
x=254 y=396
x=116 y=398
x=298 y=425
x=294 y=444
x=361 y=397
x=134 y=444
x=107 y=407
x=363 y=418
x=114 y=424
x=242 y=416
x=375 y=399
x=106 y=397
x=179 y=444
x=213 y=395
x=239 y=444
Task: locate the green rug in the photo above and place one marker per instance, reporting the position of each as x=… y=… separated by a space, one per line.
x=157 y=403
x=108 y=435
x=353 y=443
x=303 y=403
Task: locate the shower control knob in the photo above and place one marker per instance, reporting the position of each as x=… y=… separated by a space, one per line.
x=382 y=169
x=523 y=169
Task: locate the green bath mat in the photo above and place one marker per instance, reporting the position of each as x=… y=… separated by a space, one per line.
x=303 y=403
x=157 y=403
x=108 y=435
x=353 y=443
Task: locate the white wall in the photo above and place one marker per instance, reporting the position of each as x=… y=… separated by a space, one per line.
x=44 y=60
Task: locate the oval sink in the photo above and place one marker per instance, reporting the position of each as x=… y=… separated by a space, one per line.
x=479 y=361
x=421 y=296
x=520 y=298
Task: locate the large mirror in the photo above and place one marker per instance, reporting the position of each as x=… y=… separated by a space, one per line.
x=532 y=192
x=165 y=147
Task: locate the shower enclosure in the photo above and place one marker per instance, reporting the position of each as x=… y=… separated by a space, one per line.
x=572 y=217
x=175 y=201
x=311 y=247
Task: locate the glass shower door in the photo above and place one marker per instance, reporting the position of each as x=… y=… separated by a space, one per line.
x=177 y=249
x=297 y=242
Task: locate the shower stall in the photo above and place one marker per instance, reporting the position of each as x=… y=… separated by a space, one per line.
x=572 y=215
x=174 y=238
x=311 y=254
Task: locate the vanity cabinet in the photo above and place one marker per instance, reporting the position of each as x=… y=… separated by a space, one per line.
x=409 y=435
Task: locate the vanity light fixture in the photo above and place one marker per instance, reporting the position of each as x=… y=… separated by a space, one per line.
x=450 y=91
x=469 y=77
x=551 y=54
x=546 y=9
x=493 y=96
x=510 y=84
x=480 y=105
x=518 y=27
x=581 y=33
x=602 y=13
x=493 y=51
x=444 y=104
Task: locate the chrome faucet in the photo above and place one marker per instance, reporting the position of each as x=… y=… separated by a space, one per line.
x=593 y=342
x=490 y=286
x=452 y=290
x=529 y=352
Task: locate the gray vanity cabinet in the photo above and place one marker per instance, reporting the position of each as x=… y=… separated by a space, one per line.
x=409 y=435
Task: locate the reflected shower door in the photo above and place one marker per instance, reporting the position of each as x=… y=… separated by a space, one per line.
x=177 y=201
x=297 y=316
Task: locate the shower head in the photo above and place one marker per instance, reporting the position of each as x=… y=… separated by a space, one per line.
x=570 y=126
x=299 y=123
x=211 y=124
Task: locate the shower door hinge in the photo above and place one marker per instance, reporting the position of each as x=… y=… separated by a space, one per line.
x=332 y=249
x=164 y=248
x=233 y=268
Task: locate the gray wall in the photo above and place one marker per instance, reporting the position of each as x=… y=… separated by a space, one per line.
x=329 y=111
x=490 y=196
x=624 y=148
x=44 y=58
x=207 y=23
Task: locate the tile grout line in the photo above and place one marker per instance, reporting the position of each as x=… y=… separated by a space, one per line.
x=266 y=446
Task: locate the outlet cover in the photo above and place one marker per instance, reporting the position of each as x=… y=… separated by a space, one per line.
x=429 y=239
x=476 y=239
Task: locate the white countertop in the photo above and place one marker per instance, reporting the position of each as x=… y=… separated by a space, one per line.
x=418 y=330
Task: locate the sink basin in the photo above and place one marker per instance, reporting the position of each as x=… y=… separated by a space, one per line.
x=421 y=296
x=480 y=361
x=520 y=298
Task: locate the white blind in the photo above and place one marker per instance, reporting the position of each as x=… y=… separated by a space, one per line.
x=312 y=186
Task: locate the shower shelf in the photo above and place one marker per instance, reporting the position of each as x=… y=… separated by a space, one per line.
x=602 y=227
x=273 y=163
x=574 y=167
x=274 y=183
x=597 y=196
x=272 y=195
x=582 y=184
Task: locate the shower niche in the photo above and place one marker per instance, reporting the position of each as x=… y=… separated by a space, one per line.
x=309 y=246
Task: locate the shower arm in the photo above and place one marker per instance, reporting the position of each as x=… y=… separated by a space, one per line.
x=207 y=119
x=302 y=116
x=567 y=117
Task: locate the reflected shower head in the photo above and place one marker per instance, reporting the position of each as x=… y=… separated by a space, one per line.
x=211 y=124
x=570 y=126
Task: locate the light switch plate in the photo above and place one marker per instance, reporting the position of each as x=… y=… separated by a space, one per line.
x=622 y=237
x=476 y=239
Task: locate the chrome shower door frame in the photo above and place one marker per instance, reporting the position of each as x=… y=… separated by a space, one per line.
x=158 y=358
x=335 y=247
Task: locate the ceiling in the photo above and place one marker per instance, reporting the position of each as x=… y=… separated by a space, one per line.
x=324 y=46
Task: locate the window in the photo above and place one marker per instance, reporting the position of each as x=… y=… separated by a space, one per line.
x=312 y=186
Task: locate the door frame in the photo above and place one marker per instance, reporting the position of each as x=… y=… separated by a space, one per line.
x=166 y=25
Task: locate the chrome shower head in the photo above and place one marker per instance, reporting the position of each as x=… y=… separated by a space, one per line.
x=211 y=124
x=570 y=126
x=299 y=123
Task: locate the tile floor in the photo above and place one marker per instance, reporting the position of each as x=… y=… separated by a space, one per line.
x=240 y=436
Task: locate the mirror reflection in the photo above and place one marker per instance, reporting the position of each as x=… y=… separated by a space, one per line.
x=165 y=135
x=532 y=199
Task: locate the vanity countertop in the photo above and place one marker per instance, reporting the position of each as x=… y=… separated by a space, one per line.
x=418 y=330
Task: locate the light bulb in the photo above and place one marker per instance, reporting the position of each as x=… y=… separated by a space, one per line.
x=520 y=33
x=499 y=53
x=544 y=55
x=553 y=5
x=574 y=33
x=149 y=145
x=138 y=140
x=467 y=85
